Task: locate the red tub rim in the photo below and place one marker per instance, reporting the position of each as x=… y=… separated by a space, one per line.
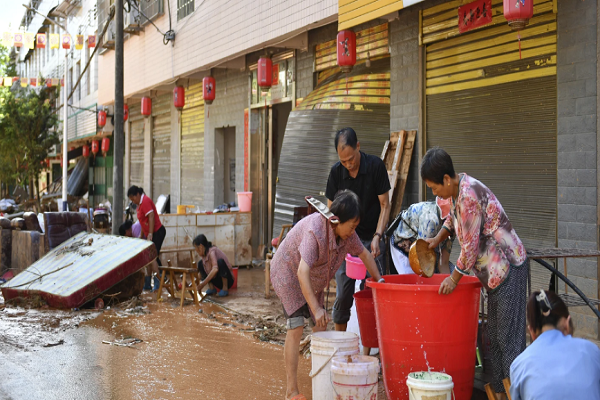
x=466 y=282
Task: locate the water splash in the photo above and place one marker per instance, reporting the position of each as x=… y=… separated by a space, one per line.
x=426 y=361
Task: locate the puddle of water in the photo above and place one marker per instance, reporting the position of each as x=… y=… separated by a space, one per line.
x=184 y=355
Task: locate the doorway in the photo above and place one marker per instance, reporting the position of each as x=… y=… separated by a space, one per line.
x=225 y=166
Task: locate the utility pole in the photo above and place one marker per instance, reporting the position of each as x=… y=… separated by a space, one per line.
x=65 y=206
x=119 y=133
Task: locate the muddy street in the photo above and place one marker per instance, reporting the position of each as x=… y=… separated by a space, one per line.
x=48 y=354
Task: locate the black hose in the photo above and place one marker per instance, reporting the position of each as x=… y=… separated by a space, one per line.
x=571 y=284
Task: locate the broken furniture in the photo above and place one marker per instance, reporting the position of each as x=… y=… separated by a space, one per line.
x=491 y=394
x=172 y=283
x=80 y=269
x=60 y=226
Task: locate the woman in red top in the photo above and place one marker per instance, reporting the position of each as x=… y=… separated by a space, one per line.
x=151 y=227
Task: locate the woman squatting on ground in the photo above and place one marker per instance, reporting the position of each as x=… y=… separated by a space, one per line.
x=302 y=267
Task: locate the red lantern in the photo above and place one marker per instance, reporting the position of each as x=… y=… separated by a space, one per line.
x=346 y=50
x=101 y=118
x=125 y=112
x=85 y=150
x=265 y=72
x=95 y=147
x=105 y=145
x=209 y=89
x=518 y=13
x=146 y=106
x=179 y=97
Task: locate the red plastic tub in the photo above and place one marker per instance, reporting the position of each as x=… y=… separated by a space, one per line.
x=419 y=329
x=365 y=311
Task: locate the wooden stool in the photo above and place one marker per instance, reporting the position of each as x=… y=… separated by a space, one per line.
x=172 y=285
x=491 y=394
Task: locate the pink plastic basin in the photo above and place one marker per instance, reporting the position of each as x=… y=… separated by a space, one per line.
x=355 y=268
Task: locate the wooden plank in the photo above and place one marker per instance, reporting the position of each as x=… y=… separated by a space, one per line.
x=403 y=172
x=492 y=41
x=495 y=21
x=519 y=76
x=548 y=51
x=491 y=51
x=391 y=154
x=476 y=36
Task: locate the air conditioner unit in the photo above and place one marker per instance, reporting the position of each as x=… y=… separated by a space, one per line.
x=133 y=21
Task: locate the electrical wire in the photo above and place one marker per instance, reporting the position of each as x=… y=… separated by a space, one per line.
x=167 y=36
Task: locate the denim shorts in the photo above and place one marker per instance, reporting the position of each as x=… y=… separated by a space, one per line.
x=296 y=320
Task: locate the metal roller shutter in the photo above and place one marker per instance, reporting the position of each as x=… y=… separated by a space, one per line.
x=496 y=113
x=161 y=146
x=361 y=101
x=192 y=147
x=136 y=175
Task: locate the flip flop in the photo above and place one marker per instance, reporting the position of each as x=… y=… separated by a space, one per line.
x=298 y=397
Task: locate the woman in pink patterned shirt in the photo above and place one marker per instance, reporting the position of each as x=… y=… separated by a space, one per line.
x=490 y=249
x=302 y=267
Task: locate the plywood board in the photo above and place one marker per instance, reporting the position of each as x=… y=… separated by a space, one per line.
x=403 y=172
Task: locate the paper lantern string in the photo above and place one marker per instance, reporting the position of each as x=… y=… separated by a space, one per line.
x=519 y=38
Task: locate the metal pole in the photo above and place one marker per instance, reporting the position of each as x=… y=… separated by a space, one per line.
x=65 y=131
x=119 y=134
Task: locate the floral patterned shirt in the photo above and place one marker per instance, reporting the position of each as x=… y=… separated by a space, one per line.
x=308 y=241
x=489 y=245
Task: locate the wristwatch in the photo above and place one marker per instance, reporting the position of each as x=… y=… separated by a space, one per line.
x=381 y=280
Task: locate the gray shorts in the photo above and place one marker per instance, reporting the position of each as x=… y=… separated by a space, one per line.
x=296 y=320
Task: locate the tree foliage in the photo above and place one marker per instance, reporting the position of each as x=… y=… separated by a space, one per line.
x=27 y=129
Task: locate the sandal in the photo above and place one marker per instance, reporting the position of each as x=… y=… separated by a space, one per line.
x=210 y=292
x=297 y=397
x=223 y=293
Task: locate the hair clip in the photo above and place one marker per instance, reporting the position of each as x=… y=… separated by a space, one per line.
x=543 y=300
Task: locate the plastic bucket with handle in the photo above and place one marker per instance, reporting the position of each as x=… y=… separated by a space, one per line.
x=355 y=377
x=323 y=347
x=429 y=385
x=245 y=201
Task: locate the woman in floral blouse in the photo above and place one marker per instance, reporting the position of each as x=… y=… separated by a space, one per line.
x=490 y=249
x=302 y=267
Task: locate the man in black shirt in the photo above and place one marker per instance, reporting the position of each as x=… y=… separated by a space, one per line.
x=366 y=176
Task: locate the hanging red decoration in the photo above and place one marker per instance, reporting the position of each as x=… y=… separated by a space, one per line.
x=125 y=112
x=146 y=106
x=101 y=118
x=105 y=145
x=346 y=50
x=85 y=150
x=179 y=97
x=209 y=89
x=518 y=13
x=265 y=72
x=95 y=147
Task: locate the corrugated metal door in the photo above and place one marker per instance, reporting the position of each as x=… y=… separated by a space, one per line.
x=136 y=160
x=161 y=146
x=361 y=101
x=192 y=147
x=495 y=113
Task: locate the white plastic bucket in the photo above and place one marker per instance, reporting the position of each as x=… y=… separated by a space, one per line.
x=322 y=347
x=245 y=201
x=355 y=377
x=429 y=385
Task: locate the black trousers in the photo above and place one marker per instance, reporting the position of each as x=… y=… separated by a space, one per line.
x=158 y=238
x=224 y=272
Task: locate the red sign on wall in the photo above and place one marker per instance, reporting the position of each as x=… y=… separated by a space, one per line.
x=474 y=15
x=246 y=143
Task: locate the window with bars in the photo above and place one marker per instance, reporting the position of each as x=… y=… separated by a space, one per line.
x=184 y=8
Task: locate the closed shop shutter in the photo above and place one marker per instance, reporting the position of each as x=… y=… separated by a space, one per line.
x=495 y=113
x=361 y=101
x=192 y=147
x=161 y=146
x=136 y=161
